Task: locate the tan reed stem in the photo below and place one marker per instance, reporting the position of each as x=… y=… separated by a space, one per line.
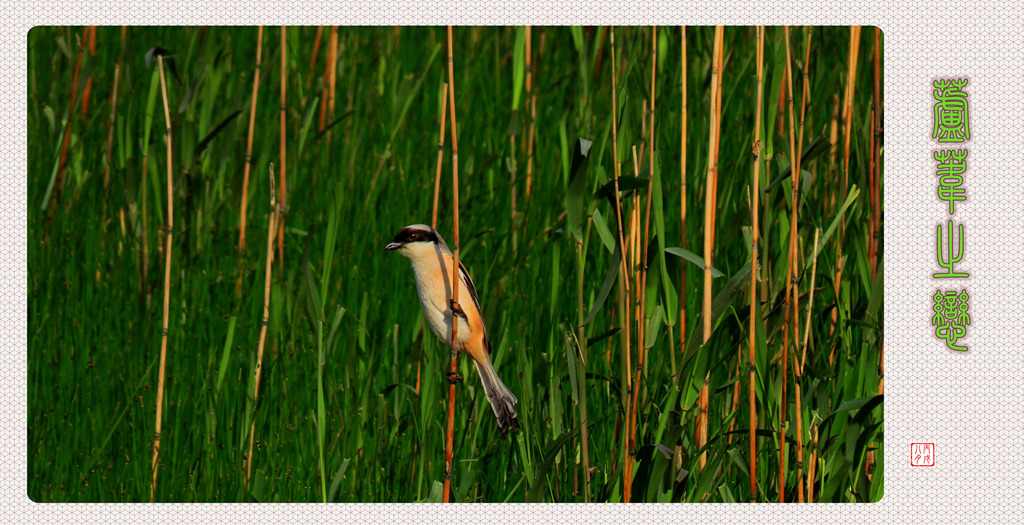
x=283 y=207
x=639 y=312
x=812 y=465
x=735 y=391
x=532 y=98
x=851 y=84
x=833 y=140
x=110 y=126
x=790 y=326
x=449 y=437
x=248 y=146
x=718 y=131
x=627 y=457
x=709 y=196
x=875 y=171
x=806 y=90
x=709 y=221
x=798 y=368
x=108 y=151
x=677 y=461
x=799 y=432
x=682 y=203
x=316 y=51
x=875 y=168
x=58 y=184
x=810 y=300
x=167 y=280
x=332 y=79
x=641 y=291
x=88 y=80
x=264 y=321
x=754 y=266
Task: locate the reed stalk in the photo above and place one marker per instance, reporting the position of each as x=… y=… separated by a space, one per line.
x=512 y=168
x=637 y=314
x=327 y=98
x=58 y=185
x=833 y=140
x=851 y=84
x=641 y=290
x=113 y=112
x=813 y=464
x=796 y=174
x=617 y=168
x=754 y=266
x=735 y=391
x=316 y=52
x=88 y=80
x=332 y=82
x=144 y=233
x=677 y=461
x=709 y=221
x=248 y=148
x=874 y=165
x=806 y=90
x=532 y=100
x=581 y=341
x=264 y=321
x=798 y=370
x=283 y=206
x=789 y=328
x=709 y=194
x=643 y=130
x=875 y=172
x=810 y=300
x=167 y=281
x=881 y=370
x=718 y=133
x=449 y=437
x=765 y=240
x=800 y=498
x=108 y=151
x=682 y=200
x=781 y=106
x=110 y=129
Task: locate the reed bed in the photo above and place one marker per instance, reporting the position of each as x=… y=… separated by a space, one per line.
x=320 y=381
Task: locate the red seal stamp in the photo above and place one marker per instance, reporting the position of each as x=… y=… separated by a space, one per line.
x=922 y=454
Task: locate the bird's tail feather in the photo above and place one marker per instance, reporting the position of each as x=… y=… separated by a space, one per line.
x=502 y=399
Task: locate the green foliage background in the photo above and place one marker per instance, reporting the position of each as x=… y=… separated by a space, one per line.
x=94 y=341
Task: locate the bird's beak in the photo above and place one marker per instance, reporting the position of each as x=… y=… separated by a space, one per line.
x=392 y=246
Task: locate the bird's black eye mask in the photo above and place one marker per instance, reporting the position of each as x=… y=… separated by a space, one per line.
x=409 y=235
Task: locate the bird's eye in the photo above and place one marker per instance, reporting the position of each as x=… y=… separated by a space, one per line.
x=413 y=237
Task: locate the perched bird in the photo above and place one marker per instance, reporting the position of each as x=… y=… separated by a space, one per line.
x=432 y=264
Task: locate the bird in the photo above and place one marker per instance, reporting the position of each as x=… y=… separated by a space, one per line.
x=432 y=265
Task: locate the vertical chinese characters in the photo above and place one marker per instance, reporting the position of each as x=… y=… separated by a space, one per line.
x=951 y=317
x=951 y=125
x=951 y=119
x=952 y=165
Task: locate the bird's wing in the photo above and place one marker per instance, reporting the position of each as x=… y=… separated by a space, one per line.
x=468 y=281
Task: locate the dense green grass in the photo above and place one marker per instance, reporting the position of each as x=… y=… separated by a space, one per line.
x=94 y=343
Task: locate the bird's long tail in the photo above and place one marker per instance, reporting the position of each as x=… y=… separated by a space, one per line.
x=503 y=401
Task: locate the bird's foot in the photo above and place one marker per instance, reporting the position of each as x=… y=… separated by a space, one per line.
x=459 y=312
x=454 y=378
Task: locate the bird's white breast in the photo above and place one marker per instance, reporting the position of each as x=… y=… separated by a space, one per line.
x=433 y=284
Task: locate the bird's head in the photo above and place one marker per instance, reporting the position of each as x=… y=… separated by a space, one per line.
x=417 y=240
